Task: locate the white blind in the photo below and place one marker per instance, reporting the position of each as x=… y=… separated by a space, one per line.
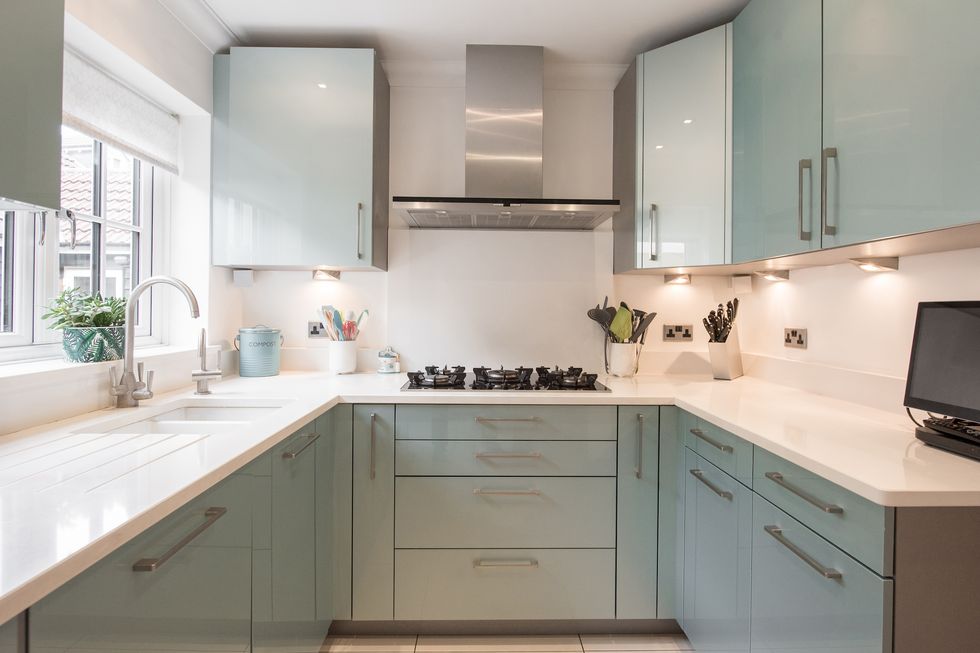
x=105 y=108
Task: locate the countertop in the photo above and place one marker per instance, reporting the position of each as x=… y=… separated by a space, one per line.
x=69 y=494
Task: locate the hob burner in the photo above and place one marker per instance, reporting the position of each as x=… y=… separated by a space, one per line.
x=501 y=379
x=433 y=377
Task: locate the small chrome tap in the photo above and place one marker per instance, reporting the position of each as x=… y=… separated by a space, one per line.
x=204 y=375
x=132 y=389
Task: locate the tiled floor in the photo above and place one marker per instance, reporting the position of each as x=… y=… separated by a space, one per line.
x=510 y=644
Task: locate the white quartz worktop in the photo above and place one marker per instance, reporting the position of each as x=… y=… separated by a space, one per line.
x=61 y=512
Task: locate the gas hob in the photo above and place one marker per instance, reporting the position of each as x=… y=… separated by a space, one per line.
x=571 y=379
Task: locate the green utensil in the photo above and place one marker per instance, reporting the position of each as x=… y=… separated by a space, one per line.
x=622 y=325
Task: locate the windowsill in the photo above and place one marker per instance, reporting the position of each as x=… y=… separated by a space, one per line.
x=48 y=365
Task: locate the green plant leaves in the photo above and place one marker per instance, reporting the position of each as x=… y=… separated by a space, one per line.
x=73 y=308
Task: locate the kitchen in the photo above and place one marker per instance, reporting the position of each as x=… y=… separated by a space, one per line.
x=289 y=171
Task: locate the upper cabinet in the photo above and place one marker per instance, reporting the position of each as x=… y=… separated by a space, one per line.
x=776 y=114
x=31 y=49
x=300 y=159
x=670 y=155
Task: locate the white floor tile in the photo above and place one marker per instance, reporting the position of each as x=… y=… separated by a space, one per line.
x=504 y=644
x=606 y=643
x=369 y=644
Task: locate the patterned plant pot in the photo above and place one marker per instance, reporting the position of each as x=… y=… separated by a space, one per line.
x=93 y=344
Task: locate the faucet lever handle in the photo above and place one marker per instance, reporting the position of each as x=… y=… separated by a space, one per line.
x=114 y=388
x=140 y=367
x=149 y=383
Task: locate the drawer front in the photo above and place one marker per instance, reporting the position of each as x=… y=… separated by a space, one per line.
x=504 y=458
x=506 y=423
x=796 y=607
x=863 y=529
x=505 y=584
x=530 y=512
x=729 y=452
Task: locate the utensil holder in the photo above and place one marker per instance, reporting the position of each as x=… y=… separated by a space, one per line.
x=726 y=358
x=622 y=358
x=342 y=356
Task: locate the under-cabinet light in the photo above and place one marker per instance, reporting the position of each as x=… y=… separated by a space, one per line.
x=326 y=275
x=877 y=264
x=774 y=275
x=677 y=279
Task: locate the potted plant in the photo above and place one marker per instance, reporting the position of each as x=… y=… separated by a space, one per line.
x=92 y=326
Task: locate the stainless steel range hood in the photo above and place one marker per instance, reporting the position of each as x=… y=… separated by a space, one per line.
x=504 y=153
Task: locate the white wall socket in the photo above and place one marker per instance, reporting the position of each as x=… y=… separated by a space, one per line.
x=795 y=338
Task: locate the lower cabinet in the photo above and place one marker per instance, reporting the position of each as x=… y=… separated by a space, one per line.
x=717 y=558
x=13 y=635
x=184 y=584
x=808 y=595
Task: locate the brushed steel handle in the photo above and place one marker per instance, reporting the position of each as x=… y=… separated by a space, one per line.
x=485 y=492
x=507 y=454
x=826 y=154
x=374 y=444
x=698 y=433
x=491 y=563
x=777 y=533
x=638 y=468
x=805 y=165
x=491 y=420
x=310 y=439
x=211 y=515
x=360 y=206
x=779 y=480
x=724 y=494
x=653 y=232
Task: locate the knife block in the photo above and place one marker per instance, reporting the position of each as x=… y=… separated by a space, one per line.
x=726 y=358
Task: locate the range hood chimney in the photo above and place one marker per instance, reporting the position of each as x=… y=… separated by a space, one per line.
x=504 y=153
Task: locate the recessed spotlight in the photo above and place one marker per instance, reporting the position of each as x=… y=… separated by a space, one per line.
x=774 y=275
x=877 y=264
x=677 y=279
x=321 y=85
x=688 y=121
x=326 y=275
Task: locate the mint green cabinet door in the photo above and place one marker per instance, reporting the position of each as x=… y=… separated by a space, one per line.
x=718 y=558
x=13 y=635
x=333 y=513
x=32 y=50
x=901 y=99
x=636 y=522
x=199 y=599
x=372 y=567
x=776 y=122
x=670 y=514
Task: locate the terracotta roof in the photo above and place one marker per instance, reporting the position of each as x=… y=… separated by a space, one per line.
x=76 y=193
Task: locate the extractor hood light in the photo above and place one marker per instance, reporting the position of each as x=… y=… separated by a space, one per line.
x=326 y=275
x=774 y=275
x=878 y=264
x=677 y=279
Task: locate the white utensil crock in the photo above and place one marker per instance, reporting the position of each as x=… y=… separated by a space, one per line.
x=342 y=356
x=726 y=358
x=622 y=358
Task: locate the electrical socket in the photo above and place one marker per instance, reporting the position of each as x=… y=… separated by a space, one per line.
x=315 y=330
x=678 y=333
x=795 y=338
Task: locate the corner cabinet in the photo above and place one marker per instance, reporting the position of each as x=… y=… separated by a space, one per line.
x=300 y=159
x=670 y=155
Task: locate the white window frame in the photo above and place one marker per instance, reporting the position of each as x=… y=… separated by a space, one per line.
x=22 y=249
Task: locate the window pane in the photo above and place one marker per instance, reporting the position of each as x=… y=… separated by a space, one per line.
x=6 y=272
x=78 y=180
x=120 y=186
x=120 y=253
x=75 y=263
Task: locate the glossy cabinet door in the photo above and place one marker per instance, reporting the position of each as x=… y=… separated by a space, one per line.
x=901 y=100
x=300 y=158
x=334 y=460
x=636 y=506
x=198 y=599
x=776 y=128
x=13 y=635
x=717 y=558
x=32 y=51
x=670 y=516
x=374 y=513
x=808 y=595
x=681 y=217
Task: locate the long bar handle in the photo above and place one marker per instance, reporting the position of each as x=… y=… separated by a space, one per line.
x=491 y=420
x=826 y=154
x=310 y=439
x=483 y=492
x=374 y=445
x=638 y=468
x=487 y=563
x=211 y=515
x=779 y=480
x=805 y=165
x=724 y=494
x=507 y=454
x=698 y=433
x=777 y=533
x=360 y=207
x=653 y=232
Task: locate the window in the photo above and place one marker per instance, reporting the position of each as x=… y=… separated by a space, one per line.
x=101 y=241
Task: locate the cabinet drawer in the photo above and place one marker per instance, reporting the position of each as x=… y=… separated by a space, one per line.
x=505 y=584
x=504 y=458
x=506 y=422
x=505 y=512
x=729 y=452
x=863 y=529
x=808 y=595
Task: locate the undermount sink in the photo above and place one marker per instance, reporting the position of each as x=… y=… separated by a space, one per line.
x=188 y=417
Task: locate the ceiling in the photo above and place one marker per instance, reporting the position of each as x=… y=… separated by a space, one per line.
x=572 y=31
